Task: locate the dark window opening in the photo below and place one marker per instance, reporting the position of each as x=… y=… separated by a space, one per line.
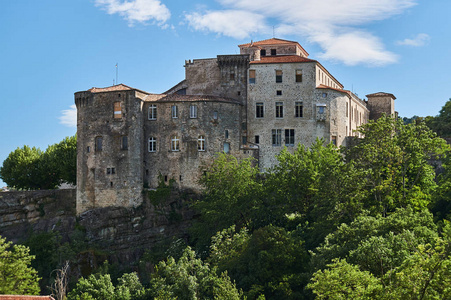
x=279 y=76
x=279 y=109
x=226 y=134
x=259 y=110
x=147 y=172
x=277 y=137
x=180 y=177
x=263 y=52
x=298 y=110
x=98 y=143
x=124 y=142
x=165 y=178
x=111 y=183
x=88 y=149
x=289 y=137
x=279 y=93
x=257 y=139
x=298 y=76
x=239 y=93
x=273 y=52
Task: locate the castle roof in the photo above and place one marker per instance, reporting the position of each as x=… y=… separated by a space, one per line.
x=195 y=98
x=273 y=42
x=381 y=94
x=282 y=59
x=114 y=88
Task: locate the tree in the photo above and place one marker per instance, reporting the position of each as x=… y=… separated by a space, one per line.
x=16 y=275
x=20 y=169
x=268 y=262
x=441 y=124
x=395 y=161
x=231 y=193
x=341 y=281
x=190 y=278
x=31 y=169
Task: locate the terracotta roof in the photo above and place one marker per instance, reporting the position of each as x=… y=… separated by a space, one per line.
x=22 y=297
x=322 y=86
x=119 y=87
x=381 y=94
x=194 y=98
x=272 y=41
x=282 y=59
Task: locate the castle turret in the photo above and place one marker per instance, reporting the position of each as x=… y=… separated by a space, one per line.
x=381 y=103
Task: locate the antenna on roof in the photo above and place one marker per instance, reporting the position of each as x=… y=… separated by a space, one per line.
x=113 y=82
x=116 y=74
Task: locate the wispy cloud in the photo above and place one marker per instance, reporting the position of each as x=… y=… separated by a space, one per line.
x=69 y=116
x=140 y=11
x=420 y=40
x=330 y=23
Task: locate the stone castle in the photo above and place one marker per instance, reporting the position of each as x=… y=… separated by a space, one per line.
x=253 y=104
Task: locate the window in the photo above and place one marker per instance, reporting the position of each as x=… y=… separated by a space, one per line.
x=201 y=143
x=226 y=134
x=175 y=143
x=88 y=149
x=152 y=144
x=257 y=139
x=289 y=137
x=251 y=76
x=110 y=171
x=117 y=110
x=279 y=93
x=152 y=112
x=124 y=142
x=334 y=140
x=174 y=111
x=98 y=143
x=321 y=109
x=324 y=95
x=298 y=109
x=215 y=115
x=226 y=147
x=279 y=109
x=244 y=140
x=277 y=137
x=193 y=111
x=298 y=75
x=259 y=110
x=263 y=52
x=279 y=76
x=232 y=76
x=273 y=52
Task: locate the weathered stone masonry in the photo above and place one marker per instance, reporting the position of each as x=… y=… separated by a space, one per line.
x=268 y=97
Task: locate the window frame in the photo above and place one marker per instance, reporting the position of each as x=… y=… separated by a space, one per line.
x=201 y=143
x=276 y=135
x=193 y=111
x=124 y=142
x=175 y=143
x=152 y=113
x=152 y=144
x=298 y=109
x=298 y=76
x=259 y=110
x=98 y=144
x=289 y=137
x=279 y=110
x=279 y=76
x=252 y=76
x=174 y=112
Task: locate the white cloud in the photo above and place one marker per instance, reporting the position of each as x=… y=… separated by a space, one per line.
x=69 y=116
x=139 y=11
x=420 y=40
x=235 y=23
x=330 y=23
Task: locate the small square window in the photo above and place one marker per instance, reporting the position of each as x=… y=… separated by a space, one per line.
x=263 y=52
x=324 y=95
x=279 y=93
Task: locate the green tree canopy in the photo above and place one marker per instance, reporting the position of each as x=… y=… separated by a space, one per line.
x=16 y=275
x=441 y=123
x=31 y=169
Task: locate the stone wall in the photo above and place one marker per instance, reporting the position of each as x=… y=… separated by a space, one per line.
x=24 y=212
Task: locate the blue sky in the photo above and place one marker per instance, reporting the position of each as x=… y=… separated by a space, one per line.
x=50 y=49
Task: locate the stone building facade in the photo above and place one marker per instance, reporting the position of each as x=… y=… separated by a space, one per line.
x=269 y=96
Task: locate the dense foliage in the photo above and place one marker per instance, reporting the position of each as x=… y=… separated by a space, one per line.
x=16 y=275
x=31 y=169
x=441 y=123
x=365 y=222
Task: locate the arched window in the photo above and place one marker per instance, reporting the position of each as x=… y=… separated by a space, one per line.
x=201 y=143
x=175 y=143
